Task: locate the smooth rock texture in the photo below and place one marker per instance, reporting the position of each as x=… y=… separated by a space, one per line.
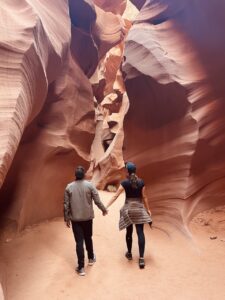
x=32 y=49
x=114 y=6
x=2 y=280
x=49 y=103
x=45 y=69
x=107 y=156
x=174 y=130
x=173 y=67
x=94 y=31
x=111 y=106
x=109 y=30
x=57 y=140
x=63 y=102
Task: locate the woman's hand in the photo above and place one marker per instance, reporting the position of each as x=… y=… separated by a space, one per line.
x=149 y=212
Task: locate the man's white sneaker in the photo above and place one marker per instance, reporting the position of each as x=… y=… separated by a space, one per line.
x=80 y=271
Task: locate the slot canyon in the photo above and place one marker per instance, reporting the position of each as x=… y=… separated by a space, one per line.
x=98 y=83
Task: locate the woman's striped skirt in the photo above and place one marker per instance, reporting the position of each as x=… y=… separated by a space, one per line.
x=133 y=212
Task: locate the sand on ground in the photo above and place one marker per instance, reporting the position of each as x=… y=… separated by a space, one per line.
x=40 y=262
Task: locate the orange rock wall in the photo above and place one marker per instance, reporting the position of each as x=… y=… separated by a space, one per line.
x=32 y=48
x=174 y=130
x=58 y=139
x=173 y=70
x=47 y=100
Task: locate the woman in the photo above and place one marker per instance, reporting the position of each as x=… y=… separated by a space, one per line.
x=135 y=210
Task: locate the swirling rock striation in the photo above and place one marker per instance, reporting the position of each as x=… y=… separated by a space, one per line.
x=58 y=139
x=46 y=99
x=94 y=31
x=174 y=130
x=111 y=107
x=32 y=48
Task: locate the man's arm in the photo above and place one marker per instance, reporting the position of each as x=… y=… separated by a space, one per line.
x=145 y=199
x=67 y=213
x=113 y=199
x=97 y=201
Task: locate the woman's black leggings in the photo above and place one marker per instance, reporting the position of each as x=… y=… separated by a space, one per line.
x=141 y=238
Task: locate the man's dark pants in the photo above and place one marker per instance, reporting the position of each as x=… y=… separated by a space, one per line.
x=83 y=233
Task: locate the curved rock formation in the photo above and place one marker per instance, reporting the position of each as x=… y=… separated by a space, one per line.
x=138 y=3
x=32 y=48
x=174 y=70
x=94 y=32
x=47 y=99
x=109 y=30
x=45 y=93
x=2 y=282
x=58 y=139
x=112 y=105
x=114 y=6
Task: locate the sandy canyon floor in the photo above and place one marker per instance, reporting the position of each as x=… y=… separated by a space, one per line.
x=40 y=262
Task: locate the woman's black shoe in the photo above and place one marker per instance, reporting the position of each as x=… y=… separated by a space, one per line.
x=141 y=263
x=128 y=255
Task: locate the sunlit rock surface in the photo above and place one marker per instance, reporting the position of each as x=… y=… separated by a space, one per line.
x=111 y=106
x=95 y=30
x=174 y=71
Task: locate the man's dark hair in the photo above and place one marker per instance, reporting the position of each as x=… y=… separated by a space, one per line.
x=79 y=173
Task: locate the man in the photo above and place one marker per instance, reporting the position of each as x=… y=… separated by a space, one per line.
x=78 y=210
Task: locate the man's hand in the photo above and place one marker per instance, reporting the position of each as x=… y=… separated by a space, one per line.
x=104 y=213
x=68 y=223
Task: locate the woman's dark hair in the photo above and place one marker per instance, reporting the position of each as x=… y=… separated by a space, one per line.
x=79 y=173
x=131 y=168
x=133 y=180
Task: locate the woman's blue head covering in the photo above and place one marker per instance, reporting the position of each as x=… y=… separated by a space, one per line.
x=131 y=168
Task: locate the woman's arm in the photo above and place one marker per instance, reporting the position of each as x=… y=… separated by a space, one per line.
x=113 y=199
x=145 y=199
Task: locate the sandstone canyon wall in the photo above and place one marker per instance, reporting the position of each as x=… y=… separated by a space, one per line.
x=173 y=68
x=39 y=103
x=107 y=164
x=111 y=106
x=174 y=71
x=32 y=51
x=47 y=108
x=63 y=65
